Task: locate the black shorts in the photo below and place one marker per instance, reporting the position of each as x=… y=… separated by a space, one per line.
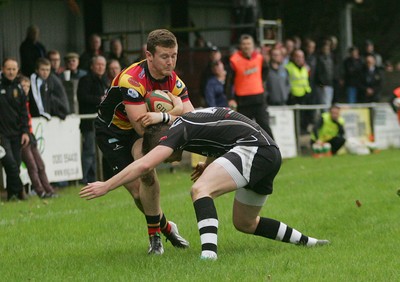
x=253 y=168
x=116 y=148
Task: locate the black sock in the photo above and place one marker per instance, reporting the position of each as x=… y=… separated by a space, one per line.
x=153 y=224
x=276 y=230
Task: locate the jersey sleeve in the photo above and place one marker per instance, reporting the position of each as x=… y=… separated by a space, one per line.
x=174 y=137
x=132 y=91
x=180 y=90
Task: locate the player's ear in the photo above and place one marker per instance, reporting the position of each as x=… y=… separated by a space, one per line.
x=149 y=56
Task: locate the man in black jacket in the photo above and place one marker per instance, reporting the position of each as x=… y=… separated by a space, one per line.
x=91 y=90
x=13 y=126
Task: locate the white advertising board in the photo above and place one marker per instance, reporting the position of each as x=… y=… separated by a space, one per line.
x=282 y=124
x=59 y=142
x=386 y=127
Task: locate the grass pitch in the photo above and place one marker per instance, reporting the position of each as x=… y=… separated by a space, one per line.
x=70 y=239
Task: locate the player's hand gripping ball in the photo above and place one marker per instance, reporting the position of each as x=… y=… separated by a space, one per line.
x=158 y=101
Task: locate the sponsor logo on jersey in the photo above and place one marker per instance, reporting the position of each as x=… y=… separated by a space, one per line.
x=133 y=93
x=133 y=82
x=178 y=84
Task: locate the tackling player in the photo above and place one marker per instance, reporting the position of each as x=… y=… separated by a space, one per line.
x=241 y=157
x=118 y=133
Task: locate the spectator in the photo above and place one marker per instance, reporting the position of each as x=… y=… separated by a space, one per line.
x=289 y=47
x=32 y=158
x=55 y=61
x=278 y=85
x=215 y=86
x=91 y=90
x=324 y=76
x=245 y=81
x=71 y=67
x=329 y=129
x=117 y=53
x=30 y=50
x=93 y=49
x=299 y=86
x=395 y=102
x=113 y=68
x=371 y=81
x=352 y=74
x=14 y=127
x=311 y=62
x=370 y=50
x=47 y=95
x=214 y=55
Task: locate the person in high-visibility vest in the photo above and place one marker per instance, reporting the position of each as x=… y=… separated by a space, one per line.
x=299 y=86
x=396 y=102
x=329 y=129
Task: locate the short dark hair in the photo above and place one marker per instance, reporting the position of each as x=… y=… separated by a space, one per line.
x=160 y=37
x=42 y=61
x=152 y=135
x=245 y=37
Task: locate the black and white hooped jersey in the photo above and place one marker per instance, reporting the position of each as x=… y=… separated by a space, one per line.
x=214 y=131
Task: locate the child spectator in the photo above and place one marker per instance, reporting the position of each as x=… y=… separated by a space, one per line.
x=32 y=158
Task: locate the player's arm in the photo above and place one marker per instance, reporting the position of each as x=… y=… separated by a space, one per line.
x=187 y=106
x=148 y=118
x=134 y=112
x=133 y=171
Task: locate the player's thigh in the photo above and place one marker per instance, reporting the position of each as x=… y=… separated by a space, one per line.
x=214 y=181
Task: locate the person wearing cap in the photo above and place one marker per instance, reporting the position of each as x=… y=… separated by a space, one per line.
x=72 y=72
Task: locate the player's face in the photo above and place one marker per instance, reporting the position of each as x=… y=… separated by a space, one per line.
x=163 y=62
x=175 y=157
x=10 y=70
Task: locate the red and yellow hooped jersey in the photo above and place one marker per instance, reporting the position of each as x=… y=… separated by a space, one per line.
x=130 y=87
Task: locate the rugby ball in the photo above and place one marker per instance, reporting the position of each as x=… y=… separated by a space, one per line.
x=158 y=101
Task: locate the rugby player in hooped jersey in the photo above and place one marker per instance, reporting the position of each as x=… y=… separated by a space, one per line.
x=118 y=131
x=241 y=157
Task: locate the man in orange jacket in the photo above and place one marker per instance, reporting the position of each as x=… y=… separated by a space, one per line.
x=245 y=85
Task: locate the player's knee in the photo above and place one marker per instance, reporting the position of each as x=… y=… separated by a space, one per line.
x=244 y=226
x=148 y=179
x=197 y=191
x=133 y=188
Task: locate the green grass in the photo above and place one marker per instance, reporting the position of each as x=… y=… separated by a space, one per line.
x=70 y=239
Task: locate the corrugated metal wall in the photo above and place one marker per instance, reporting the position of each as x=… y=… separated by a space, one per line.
x=62 y=30
x=54 y=19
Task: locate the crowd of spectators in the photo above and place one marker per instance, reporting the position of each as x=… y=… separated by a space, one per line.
x=55 y=86
x=306 y=72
